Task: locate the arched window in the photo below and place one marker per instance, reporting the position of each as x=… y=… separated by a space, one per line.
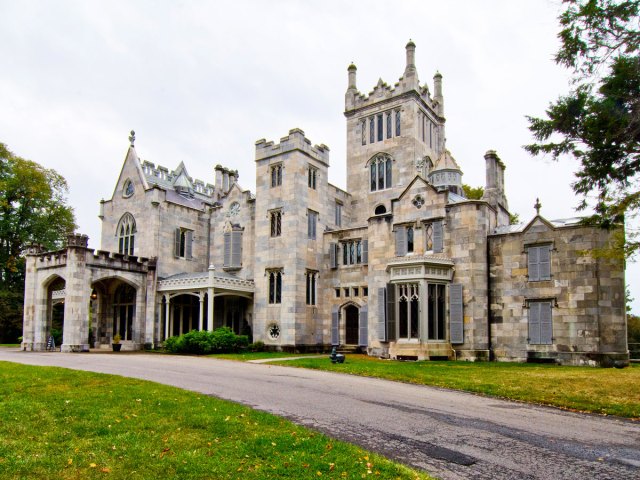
x=380 y=172
x=126 y=233
x=380 y=209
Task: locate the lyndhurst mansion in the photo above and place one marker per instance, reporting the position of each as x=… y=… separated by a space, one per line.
x=400 y=265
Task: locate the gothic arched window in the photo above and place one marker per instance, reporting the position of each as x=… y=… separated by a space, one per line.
x=126 y=233
x=380 y=172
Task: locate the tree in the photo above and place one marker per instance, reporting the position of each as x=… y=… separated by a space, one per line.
x=33 y=209
x=598 y=122
x=473 y=193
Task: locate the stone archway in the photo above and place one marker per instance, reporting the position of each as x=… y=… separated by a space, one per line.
x=351 y=324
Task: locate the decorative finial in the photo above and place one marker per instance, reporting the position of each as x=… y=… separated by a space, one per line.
x=132 y=138
x=537 y=206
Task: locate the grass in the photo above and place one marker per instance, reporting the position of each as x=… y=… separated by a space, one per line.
x=607 y=391
x=10 y=345
x=66 y=424
x=247 y=356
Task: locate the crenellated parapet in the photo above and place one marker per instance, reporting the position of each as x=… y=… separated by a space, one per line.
x=295 y=141
x=408 y=84
x=162 y=176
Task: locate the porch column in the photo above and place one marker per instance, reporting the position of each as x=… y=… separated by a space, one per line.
x=210 y=290
x=167 y=311
x=201 y=318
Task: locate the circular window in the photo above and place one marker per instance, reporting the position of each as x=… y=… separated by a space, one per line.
x=274 y=331
x=127 y=191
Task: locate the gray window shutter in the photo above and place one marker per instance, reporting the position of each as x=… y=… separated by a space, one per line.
x=438 y=235
x=188 y=248
x=456 y=317
x=391 y=312
x=176 y=247
x=335 y=326
x=401 y=241
x=533 y=254
x=546 y=324
x=534 y=322
x=227 y=249
x=382 y=315
x=364 y=327
x=236 y=248
x=365 y=251
x=333 y=255
x=544 y=262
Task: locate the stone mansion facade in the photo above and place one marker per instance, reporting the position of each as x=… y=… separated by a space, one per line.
x=400 y=265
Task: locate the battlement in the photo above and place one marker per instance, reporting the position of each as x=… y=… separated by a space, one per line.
x=164 y=177
x=407 y=84
x=296 y=140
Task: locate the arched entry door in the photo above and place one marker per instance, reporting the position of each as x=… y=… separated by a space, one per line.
x=124 y=302
x=351 y=315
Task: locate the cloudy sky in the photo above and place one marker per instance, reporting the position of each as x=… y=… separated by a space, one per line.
x=200 y=82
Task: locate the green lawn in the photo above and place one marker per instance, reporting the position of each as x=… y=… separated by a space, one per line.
x=11 y=345
x=601 y=390
x=59 y=423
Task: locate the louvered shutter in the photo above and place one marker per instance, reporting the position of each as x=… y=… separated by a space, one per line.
x=333 y=255
x=188 y=248
x=236 y=248
x=391 y=312
x=227 y=249
x=176 y=247
x=546 y=325
x=365 y=251
x=401 y=241
x=438 y=235
x=335 y=327
x=533 y=254
x=456 y=317
x=382 y=315
x=544 y=262
x=364 y=327
x=534 y=323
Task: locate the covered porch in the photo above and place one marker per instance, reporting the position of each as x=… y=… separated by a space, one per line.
x=204 y=301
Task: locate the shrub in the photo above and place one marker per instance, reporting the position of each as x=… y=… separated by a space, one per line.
x=201 y=342
x=257 y=346
x=198 y=342
x=173 y=344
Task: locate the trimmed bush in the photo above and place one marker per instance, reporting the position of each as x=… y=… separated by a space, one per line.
x=201 y=342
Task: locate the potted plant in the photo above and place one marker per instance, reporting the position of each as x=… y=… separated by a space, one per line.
x=116 y=345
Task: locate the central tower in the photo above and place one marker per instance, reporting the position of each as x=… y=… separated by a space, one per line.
x=393 y=134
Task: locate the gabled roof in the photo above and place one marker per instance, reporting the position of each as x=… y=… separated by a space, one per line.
x=417 y=178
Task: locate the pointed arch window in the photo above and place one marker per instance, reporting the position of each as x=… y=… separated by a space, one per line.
x=380 y=170
x=126 y=233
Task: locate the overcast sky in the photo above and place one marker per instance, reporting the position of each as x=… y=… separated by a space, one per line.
x=200 y=82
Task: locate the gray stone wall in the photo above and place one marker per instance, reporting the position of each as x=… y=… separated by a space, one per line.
x=587 y=294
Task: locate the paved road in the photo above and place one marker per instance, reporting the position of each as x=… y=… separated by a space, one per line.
x=451 y=435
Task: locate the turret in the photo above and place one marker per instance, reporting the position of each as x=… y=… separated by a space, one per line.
x=410 y=69
x=352 y=77
x=437 y=93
